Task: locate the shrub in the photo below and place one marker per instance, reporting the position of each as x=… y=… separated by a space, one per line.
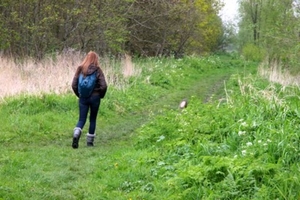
x=253 y=53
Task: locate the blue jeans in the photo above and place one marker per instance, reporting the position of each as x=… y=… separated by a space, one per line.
x=91 y=103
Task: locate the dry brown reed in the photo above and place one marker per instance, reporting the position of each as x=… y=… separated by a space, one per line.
x=128 y=67
x=53 y=74
x=34 y=77
x=276 y=74
x=117 y=71
x=273 y=74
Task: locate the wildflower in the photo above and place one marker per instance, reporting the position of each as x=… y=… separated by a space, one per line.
x=268 y=140
x=241 y=133
x=244 y=152
x=244 y=124
x=162 y=137
x=259 y=141
x=249 y=144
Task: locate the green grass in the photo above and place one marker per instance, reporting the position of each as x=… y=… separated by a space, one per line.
x=238 y=143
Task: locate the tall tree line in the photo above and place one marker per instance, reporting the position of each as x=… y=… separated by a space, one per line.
x=274 y=27
x=143 y=27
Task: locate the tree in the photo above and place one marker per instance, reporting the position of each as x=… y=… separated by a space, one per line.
x=164 y=27
x=275 y=27
x=145 y=27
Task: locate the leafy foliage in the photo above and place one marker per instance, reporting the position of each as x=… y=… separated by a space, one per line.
x=252 y=52
x=148 y=28
x=273 y=26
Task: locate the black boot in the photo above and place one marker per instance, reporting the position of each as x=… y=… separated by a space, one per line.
x=76 y=137
x=90 y=140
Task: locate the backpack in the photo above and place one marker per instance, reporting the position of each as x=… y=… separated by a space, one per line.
x=86 y=84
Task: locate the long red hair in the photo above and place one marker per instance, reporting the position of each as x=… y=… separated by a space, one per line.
x=90 y=58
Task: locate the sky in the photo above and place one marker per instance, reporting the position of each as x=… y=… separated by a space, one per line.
x=229 y=11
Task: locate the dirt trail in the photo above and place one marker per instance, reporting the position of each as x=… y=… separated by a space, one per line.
x=214 y=91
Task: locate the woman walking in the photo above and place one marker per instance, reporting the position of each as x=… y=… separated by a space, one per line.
x=90 y=102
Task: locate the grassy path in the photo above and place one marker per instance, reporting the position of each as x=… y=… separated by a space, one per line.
x=209 y=86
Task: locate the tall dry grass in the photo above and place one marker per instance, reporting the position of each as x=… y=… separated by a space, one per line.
x=54 y=74
x=118 y=71
x=276 y=74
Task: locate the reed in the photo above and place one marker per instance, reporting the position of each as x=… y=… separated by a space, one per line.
x=54 y=73
x=277 y=74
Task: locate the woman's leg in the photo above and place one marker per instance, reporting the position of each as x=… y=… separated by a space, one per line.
x=94 y=106
x=83 y=112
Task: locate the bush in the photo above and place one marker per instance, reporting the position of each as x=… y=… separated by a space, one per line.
x=253 y=53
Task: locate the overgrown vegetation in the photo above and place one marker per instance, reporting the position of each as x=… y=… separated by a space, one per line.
x=246 y=148
x=237 y=139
